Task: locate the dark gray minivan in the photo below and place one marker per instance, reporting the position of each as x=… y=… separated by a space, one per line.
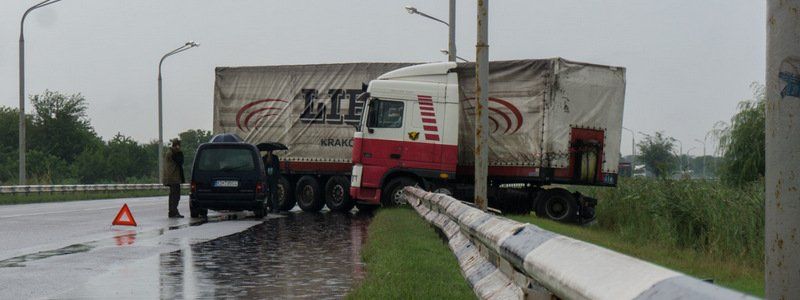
x=228 y=174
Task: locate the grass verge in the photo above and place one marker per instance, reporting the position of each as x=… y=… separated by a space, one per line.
x=406 y=259
x=6 y=199
x=726 y=271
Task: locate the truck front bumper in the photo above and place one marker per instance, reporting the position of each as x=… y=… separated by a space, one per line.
x=366 y=195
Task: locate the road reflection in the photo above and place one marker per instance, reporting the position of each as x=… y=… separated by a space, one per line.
x=301 y=255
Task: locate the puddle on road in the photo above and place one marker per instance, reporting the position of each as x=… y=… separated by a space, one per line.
x=301 y=255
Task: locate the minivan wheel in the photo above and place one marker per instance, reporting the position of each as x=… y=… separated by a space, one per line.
x=337 y=194
x=308 y=194
x=260 y=210
x=195 y=211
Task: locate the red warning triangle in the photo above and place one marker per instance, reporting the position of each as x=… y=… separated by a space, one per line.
x=124 y=217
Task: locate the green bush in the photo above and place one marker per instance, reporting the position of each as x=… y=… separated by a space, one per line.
x=703 y=215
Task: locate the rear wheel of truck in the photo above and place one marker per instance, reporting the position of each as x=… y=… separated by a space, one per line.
x=337 y=194
x=283 y=191
x=558 y=205
x=393 y=194
x=308 y=194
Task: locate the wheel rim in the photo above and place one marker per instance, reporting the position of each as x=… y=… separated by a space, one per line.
x=557 y=208
x=281 y=193
x=397 y=197
x=337 y=194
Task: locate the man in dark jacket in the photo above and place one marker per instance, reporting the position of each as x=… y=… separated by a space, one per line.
x=273 y=168
x=173 y=176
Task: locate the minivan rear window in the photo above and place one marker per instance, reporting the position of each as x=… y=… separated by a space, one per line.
x=226 y=159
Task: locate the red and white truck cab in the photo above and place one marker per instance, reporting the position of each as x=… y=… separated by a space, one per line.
x=551 y=121
x=409 y=132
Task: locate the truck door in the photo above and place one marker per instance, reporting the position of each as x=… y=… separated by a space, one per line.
x=382 y=144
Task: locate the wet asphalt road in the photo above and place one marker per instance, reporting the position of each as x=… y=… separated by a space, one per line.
x=70 y=251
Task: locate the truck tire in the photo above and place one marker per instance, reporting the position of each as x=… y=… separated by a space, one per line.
x=284 y=194
x=558 y=205
x=392 y=195
x=308 y=194
x=337 y=194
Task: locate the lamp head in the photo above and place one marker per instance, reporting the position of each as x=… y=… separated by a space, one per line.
x=411 y=10
x=444 y=51
x=192 y=44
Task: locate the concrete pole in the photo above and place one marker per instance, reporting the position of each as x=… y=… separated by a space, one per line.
x=482 y=112
x=451 y=46
x=160 y=131
x=782 y=207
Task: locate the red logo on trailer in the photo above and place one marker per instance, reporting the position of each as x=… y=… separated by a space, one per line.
x=503 y=109
x=254 y=113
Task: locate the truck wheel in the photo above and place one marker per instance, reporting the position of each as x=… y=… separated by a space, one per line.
x=366 y=208
x=283 y=192
x=308 y=194
x=337 y=194
x=558 y=205
x=393 y=194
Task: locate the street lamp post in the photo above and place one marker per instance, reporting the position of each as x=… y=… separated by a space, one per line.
x=451 y=44
x=633 y=144
x=187 y=46
x=445 y=52
x=22 y=136
x=704 y=154
x=680 y=153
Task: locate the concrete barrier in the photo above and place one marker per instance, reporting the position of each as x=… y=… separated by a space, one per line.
x=505 y=259
x=34 y=189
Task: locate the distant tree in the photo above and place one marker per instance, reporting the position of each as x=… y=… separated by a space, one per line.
x=655 y=151
x=61 y=127
x=742 y=141
x=190 y=140
x=127 y=158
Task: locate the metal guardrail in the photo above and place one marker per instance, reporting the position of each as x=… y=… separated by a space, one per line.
x=505 y=259
x=31 y=189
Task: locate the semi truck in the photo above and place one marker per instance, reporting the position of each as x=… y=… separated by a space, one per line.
x=551 y=122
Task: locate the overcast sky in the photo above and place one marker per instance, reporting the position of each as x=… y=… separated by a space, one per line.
x=688 y=62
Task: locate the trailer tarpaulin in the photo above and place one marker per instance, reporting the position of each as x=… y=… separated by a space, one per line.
x=310 y=108
x=533 y=106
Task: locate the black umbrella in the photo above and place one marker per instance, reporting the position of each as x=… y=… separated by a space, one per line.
x=271 y=146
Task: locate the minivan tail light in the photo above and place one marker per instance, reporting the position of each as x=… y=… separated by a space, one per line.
x=259 y=187
x=193 y=186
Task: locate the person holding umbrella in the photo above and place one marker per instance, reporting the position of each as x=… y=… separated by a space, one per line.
x=273 y=169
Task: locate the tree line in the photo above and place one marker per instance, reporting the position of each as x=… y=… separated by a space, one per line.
x=63 y=147
x=741 y=146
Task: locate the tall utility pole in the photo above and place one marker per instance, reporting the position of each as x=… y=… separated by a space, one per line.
x=782 y=207
x=482 y=112
x=451 y=44
x=23 y=177
x=633 y=145
x=187 y=46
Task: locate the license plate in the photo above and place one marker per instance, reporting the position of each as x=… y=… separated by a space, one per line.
x=226 y=183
